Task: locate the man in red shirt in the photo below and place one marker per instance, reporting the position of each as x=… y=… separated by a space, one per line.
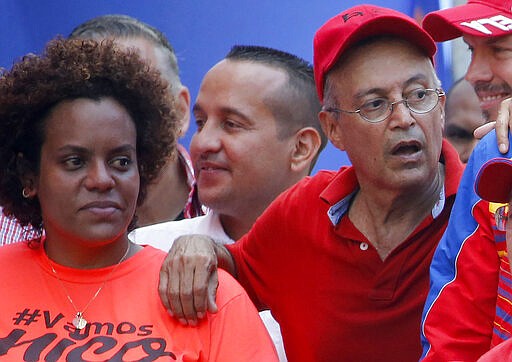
x=341 y=259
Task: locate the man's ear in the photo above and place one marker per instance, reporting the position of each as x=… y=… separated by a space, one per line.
x=182 y=103
x=332 y=129
x=307 y=145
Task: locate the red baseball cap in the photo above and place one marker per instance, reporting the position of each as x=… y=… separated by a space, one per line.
x=482 y=18
x=356 y=24
x=494 y=180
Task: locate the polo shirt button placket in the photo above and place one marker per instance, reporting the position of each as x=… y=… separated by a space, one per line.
x=363 y=246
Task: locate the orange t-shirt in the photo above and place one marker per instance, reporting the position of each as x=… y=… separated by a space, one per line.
x=127 y=321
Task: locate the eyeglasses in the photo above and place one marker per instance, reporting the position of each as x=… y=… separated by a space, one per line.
x=376 y=110
x=501 y=216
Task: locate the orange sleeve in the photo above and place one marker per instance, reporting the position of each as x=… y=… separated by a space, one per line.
x=237 y=331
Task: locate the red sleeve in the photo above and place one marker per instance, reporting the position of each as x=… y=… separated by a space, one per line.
x=458 y=323
x=261 y=255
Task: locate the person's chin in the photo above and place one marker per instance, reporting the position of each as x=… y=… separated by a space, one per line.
x=102 y=232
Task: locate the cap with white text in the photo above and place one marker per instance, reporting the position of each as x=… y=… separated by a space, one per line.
x=494 y=180
x=479 y=18
x=353 y=25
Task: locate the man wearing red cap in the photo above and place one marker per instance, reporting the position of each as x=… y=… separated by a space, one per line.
x=466 y=309
x=341 y=259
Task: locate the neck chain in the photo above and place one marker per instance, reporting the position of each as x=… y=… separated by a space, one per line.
x=79 y=321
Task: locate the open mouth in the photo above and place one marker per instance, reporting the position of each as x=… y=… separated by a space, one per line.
x=406 y=148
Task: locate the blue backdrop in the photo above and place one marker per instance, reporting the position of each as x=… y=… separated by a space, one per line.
x=201 y=31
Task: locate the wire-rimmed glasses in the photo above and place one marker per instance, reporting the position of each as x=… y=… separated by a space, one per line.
x=376 y=110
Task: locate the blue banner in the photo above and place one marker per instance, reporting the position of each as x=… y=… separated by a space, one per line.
x=202 y=32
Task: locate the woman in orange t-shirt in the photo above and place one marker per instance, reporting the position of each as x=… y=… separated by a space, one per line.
x=84 y=129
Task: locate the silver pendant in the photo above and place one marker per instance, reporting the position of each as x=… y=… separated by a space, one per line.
x=79 y=322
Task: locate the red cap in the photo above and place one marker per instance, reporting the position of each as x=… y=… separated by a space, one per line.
x=478 y=17
x=494 y=180
x=356 y=24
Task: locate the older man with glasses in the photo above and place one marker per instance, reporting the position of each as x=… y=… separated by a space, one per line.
x=341 y=259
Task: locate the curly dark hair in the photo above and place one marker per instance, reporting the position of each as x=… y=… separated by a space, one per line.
x=71 y=69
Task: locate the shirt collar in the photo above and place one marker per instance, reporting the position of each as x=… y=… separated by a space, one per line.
x=342 y=189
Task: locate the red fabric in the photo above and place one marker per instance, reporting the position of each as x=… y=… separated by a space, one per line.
x=333 y=299
x=468 y=275
x=501 y=353
x=494 y=180
x=482 y=18
x=344 y=30
x=128 y=320
x=503 y=321
x=469 y=300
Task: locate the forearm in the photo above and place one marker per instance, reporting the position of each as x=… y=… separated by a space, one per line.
x=224 y=259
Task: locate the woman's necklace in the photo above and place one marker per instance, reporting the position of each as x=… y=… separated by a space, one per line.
x=79 y=321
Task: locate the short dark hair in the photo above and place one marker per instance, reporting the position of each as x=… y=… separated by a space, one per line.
x=124 y=26
x=71 y=69
x=297 y=106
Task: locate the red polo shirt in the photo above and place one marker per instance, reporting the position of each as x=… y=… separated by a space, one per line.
x=326 y=285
